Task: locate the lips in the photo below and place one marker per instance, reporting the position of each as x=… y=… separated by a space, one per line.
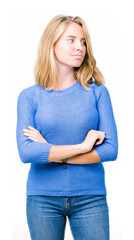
x=78 y=56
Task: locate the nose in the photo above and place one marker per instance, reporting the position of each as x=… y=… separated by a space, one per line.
x=78 y=45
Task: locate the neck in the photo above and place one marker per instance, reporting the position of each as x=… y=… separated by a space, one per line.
x=65 y=77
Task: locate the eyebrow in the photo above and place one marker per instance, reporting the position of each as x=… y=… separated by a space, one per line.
x=75 y=37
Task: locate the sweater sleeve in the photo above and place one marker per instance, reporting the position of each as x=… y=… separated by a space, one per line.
x=29 y=150
x=108 y=150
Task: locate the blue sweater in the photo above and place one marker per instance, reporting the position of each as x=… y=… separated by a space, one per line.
x=64 y=117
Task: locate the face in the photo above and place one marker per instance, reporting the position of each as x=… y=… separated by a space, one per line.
x=70 y=49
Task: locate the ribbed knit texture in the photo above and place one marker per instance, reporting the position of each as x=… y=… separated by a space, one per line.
x=64 y=117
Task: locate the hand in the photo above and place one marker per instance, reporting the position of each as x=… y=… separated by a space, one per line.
x=34 y=134
x=93 y=138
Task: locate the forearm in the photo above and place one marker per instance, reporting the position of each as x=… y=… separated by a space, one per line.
x=77 y=154
x=79 y=158
x=85 y=158
x=59 y=152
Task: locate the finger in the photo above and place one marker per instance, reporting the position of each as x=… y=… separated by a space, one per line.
x=27 y=134
x=32 y=128
x=98 y=142
x=30 y=134
x=30 y=131
x=33 y=136
x=24 y=130
x=34 y=139
x=27 y=130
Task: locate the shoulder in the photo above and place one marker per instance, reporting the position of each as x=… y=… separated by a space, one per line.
x=28 y=94
x=29 y=91
x=97 y=87
x=99 y=90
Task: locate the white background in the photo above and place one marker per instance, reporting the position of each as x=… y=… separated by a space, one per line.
x=110 y=26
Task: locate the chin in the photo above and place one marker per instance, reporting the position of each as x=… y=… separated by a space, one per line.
x=77 y=65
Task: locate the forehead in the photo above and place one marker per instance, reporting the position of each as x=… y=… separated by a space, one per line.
x=73 y=29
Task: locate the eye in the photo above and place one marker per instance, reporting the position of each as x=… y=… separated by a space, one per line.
x=84 y=43
x=71 y=40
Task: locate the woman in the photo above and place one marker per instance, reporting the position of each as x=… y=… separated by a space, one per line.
x=66 y=130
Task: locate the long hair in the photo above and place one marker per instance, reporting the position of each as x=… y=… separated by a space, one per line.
x=45 y=69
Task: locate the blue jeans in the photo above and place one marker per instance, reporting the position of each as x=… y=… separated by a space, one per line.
x=88 y=217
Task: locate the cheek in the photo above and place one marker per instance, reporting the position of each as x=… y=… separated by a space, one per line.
x=62 y=51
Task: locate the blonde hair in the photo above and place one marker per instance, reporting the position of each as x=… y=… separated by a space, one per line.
x=45 y=69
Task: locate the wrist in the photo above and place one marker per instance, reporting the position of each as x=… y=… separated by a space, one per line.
x=85 y=148
x=82 y=148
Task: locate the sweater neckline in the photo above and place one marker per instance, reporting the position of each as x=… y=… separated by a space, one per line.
x=64 y=91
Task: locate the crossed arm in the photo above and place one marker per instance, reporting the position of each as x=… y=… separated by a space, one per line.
x=76 y=154
x=35 y=148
